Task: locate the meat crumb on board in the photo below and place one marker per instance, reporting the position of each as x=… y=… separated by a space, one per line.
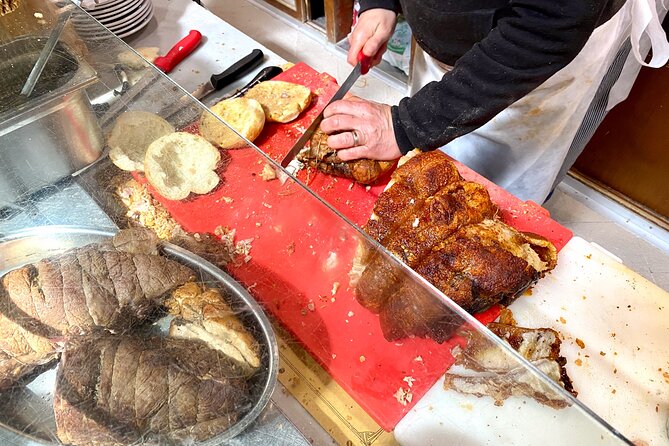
x=241 y=248
x=268 y=173
x=335 y=287
x=403 y=396
x=580 y=343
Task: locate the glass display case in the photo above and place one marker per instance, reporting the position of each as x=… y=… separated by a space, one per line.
x=278 y=253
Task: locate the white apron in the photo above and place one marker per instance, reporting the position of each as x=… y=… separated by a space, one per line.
x=528 y=147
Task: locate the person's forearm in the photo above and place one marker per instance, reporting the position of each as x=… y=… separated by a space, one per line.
x=393 y=5
x=540 y=38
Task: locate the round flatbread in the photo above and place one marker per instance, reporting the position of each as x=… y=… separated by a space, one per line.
x=282 y=101
x=246 y=116
x=180 y=163
x=132 y=133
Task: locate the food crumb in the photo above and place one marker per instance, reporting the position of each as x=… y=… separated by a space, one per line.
x=418 y=359
x=290 y=248
x=409 y=380
x=227 y=199
x=350 y=186
x=563 y=320
x=613 y=391
x=311 y=306
x=367 y=188
x=350 y=313
x=334 y=356
x=578 y=362
x=580 y=343
x=258 y=224
x=602 y=354
x=335 y=287
x=267 y=205
x=403 y=396
x=333 y=299
x=268 y=173
x=362 y=358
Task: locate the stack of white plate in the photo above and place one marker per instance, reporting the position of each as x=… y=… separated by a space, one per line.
x=122 y=17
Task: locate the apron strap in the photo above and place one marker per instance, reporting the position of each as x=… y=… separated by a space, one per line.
x=645 y=20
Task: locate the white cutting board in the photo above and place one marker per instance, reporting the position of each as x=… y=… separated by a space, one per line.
x=623 y=376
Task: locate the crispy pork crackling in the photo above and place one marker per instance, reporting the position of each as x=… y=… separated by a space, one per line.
x=447 y=230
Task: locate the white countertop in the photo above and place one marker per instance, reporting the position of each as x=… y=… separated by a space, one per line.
x=221 y=46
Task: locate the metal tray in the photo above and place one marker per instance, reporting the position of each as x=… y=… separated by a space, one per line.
x=26 y=412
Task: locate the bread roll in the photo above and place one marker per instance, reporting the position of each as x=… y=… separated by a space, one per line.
x=132 y=133
x=246 y=116
x=281 y=101
x=180 y=163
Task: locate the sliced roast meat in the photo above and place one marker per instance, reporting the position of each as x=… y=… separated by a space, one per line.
x=122 y=390
x=92 y=286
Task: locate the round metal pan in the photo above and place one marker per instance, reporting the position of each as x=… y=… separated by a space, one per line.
x=26 y=412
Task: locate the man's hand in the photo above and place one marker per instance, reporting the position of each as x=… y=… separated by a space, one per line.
x=360 y=129
x=371 y=35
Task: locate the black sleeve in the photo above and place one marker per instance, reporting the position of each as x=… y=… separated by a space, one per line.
x=537 y=39
x=393 y=5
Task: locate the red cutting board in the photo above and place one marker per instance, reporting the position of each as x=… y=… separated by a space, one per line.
x=301 y=248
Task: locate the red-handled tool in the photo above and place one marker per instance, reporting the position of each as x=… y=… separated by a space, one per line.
x=179 y=51
x=363 y=66
x=365 y=63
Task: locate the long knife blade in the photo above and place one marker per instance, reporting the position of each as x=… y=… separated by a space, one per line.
x=345 y=87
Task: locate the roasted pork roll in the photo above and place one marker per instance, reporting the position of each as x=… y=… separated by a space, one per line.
x=447 y=230
x=322 y=157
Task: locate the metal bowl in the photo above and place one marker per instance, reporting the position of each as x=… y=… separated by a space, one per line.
x=26 y=413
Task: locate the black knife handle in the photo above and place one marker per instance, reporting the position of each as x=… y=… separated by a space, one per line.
x=237 y=70
x=265 y=74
